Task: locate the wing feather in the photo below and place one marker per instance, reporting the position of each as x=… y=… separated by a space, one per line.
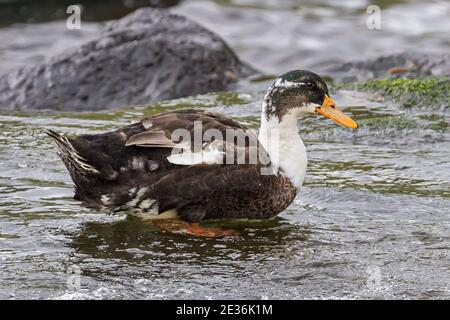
x=159 y=129
x=150 y=138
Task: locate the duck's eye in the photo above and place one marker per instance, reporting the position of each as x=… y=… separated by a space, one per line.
x=310 y=84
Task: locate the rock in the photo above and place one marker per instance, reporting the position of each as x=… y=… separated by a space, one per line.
x=147 y=56
x=407 y=64
x=26 y=11
x=424 y=92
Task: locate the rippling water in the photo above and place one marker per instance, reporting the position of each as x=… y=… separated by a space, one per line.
x=274 y=36
x=372 y=220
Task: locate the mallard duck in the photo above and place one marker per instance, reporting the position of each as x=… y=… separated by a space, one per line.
x=182 y=165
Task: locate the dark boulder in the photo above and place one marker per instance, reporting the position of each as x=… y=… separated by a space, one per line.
x=147 y=56
x=407 y=64
x=32 y=11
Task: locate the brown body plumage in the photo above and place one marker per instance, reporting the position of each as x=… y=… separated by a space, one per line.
x=138 y=168
x=128 y=170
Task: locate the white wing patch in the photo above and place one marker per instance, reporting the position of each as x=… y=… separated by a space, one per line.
x=191 y=158
x=212 y=154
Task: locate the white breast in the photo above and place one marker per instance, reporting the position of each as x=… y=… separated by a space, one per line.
x=285 y=147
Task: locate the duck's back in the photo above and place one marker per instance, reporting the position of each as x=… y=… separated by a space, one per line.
x=129 y=169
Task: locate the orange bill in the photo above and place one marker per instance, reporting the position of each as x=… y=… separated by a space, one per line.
x=329 y=110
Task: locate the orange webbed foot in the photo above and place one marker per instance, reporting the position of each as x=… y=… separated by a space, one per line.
x=194 y=229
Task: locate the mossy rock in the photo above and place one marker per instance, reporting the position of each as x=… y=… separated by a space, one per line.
x=417 y=92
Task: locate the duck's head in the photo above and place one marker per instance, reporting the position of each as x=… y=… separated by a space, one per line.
x=300 y=91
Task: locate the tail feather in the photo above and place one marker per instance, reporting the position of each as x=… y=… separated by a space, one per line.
x=70 y=156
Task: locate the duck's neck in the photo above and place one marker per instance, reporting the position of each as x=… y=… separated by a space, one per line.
x=284 y=145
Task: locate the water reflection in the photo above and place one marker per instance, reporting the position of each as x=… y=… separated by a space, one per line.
x=135 y=241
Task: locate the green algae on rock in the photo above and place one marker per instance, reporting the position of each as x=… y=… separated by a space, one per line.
x=408 y=92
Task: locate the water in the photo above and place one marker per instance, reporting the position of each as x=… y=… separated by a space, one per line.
x=274 y=36
x=372 y=220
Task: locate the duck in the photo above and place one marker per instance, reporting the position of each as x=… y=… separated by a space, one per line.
x=179 y=168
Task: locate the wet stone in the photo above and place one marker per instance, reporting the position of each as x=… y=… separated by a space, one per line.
x=144 y=57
